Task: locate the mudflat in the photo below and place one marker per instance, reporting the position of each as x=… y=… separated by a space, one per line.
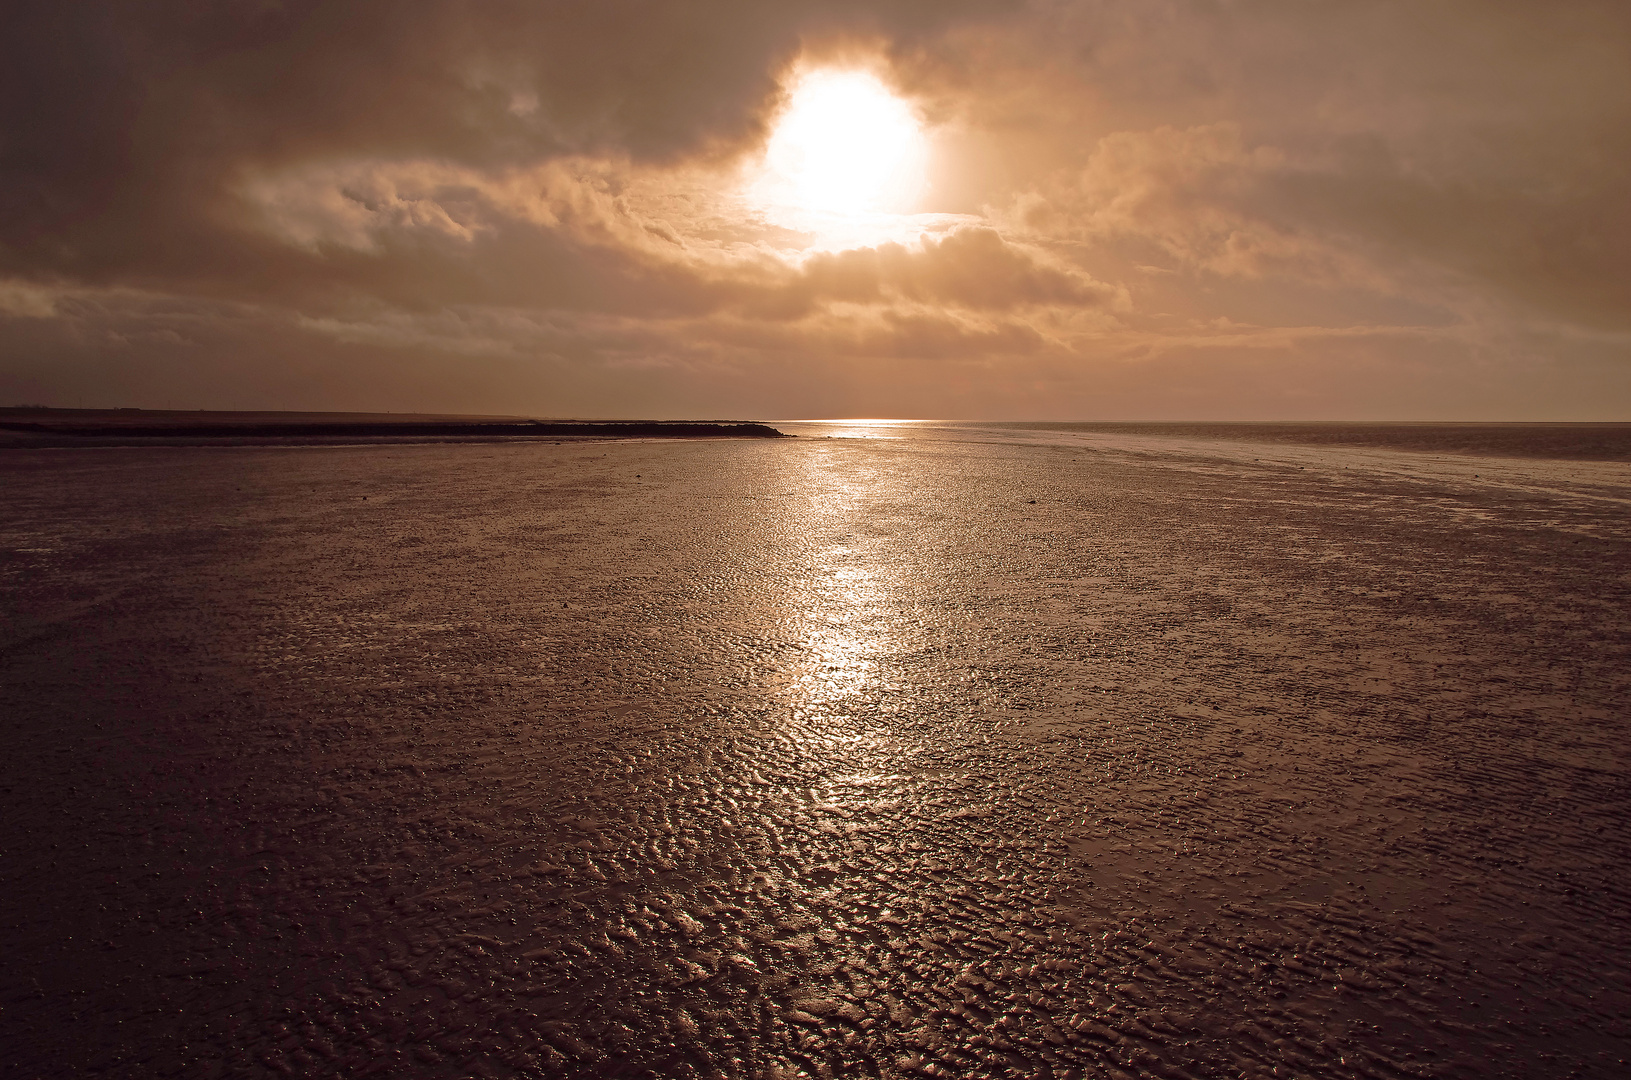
x=908 y=751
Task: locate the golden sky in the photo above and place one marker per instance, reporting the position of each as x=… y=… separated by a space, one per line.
x=1142 y=209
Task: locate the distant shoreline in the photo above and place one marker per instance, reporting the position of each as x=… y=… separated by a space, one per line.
x=38 y=428
x=1558 y=440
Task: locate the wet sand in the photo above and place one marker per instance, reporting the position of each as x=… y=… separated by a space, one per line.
x=824 y=756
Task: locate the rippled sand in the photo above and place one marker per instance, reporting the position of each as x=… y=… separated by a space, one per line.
x=837 y=757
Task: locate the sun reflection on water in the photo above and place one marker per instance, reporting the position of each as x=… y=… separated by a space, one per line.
x=856 y=428
x=842 y=660
x=846 y=606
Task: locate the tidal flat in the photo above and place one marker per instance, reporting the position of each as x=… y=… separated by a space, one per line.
x=888 y=750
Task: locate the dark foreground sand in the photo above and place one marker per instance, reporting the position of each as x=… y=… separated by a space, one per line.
x=832 y=757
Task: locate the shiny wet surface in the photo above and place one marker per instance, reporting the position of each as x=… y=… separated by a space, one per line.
x=834 y=757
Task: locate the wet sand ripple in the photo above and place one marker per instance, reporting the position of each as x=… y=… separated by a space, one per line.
x=810 y=757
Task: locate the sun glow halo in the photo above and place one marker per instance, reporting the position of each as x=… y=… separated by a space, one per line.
x=846 y=146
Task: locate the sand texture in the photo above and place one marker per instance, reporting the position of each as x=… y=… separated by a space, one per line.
x=990 y=753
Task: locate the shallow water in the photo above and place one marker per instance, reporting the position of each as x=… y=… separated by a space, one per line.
x=828 y=756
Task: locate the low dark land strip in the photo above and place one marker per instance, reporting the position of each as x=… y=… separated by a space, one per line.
x=1582 y=441
x=114 y=429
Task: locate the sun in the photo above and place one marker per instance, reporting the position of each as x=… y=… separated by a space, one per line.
x=845 y=146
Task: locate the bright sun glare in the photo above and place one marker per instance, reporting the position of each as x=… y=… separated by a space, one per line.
x=846 y=146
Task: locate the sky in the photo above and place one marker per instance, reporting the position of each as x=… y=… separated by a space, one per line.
x=1058 y=209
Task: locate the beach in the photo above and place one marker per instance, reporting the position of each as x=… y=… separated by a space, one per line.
x=887 y=750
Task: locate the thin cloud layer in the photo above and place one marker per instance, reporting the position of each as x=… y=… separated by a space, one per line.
x=1267 y=208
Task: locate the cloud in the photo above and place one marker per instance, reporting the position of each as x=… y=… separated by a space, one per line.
x=667 y=255
x=1265 y=185
x=971 y=267
x=142 y=116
